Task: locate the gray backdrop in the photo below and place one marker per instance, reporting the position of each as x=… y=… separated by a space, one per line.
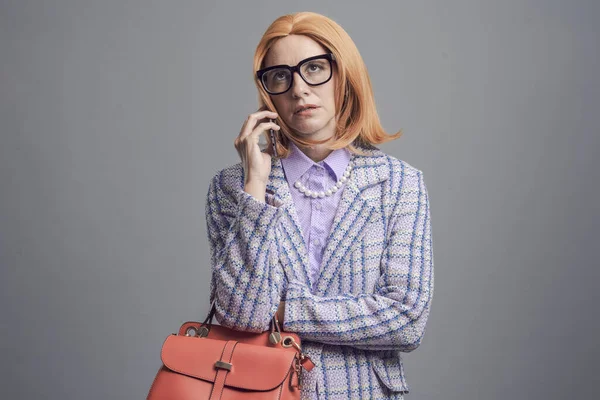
x=115 y=115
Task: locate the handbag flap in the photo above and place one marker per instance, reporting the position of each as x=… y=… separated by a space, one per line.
x=253 y=367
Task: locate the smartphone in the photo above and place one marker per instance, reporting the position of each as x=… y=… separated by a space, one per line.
x=273 y=140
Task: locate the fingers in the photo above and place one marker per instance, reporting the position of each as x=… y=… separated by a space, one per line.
x=256 y=164
x=253 y=137
x=252 y=119
x=251 y=131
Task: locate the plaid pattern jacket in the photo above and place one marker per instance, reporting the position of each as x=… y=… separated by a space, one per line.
x=372 y=298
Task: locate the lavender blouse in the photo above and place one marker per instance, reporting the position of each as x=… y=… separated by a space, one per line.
x=315 y=215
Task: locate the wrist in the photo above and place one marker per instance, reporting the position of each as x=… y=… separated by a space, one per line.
x=256 y=189
x=255 y=182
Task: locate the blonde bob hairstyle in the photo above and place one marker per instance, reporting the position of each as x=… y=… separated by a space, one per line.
x=357 y=120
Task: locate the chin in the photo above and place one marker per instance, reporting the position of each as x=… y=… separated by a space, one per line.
x=308 y=127
x=306 y=132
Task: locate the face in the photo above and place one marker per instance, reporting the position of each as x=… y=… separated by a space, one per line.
x=319 y=123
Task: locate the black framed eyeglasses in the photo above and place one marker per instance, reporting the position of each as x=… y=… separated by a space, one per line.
x=315 y=70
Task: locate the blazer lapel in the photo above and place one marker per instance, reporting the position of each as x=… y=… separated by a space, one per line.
x=293 y=254
x=353 y=213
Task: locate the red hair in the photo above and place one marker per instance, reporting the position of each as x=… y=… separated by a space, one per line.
x=358 y=122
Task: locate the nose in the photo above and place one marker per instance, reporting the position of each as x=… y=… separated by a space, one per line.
x=299 y=87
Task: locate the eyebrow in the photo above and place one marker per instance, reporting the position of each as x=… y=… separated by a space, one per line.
x=288 y=65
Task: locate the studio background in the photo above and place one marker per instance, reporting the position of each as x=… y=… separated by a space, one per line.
x=114 y=115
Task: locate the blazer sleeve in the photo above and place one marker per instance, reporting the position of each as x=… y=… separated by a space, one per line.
x=394 y=316
x=246 y=280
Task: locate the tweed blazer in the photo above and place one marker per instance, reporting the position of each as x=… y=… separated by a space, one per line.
x=372 y=298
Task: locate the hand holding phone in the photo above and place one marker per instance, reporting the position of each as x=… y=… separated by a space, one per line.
x=255 y=162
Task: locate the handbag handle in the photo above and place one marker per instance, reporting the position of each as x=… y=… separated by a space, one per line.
x=205 y=326
x=302 y=360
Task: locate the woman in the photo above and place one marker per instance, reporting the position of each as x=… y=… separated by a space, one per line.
x=330 y=232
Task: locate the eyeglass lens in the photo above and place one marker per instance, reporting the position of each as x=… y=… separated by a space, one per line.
x=314 y=72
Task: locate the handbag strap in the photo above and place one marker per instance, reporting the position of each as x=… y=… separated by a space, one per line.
x=213 y=309
x=211 y=313
x=303 y=360
x=223 y=367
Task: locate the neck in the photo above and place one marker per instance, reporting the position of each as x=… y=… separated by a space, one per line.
x=316 y=153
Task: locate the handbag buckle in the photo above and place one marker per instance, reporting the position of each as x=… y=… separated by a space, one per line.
x=223 y=365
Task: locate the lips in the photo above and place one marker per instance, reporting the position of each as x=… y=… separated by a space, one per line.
x=305 y=107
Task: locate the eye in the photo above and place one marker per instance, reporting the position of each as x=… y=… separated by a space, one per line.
x=314 y=67
x=280 y=75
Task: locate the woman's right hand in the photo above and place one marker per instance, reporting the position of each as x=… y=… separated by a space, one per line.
x=257 y=165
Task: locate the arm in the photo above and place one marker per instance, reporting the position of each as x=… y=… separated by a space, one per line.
x=246 y=279
x=393 y=317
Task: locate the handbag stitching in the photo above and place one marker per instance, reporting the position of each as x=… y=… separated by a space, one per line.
x=166 y=368
x=208 y=379
x=217 y=374
x=227 y=373
x=230 y=385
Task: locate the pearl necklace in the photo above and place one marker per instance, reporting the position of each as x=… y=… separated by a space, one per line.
x=309 y=193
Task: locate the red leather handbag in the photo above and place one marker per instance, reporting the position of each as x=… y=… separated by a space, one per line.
x=205 y=361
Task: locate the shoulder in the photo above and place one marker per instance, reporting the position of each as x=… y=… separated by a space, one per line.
x=397 y=171
x=403 y=189
x=399 y=167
